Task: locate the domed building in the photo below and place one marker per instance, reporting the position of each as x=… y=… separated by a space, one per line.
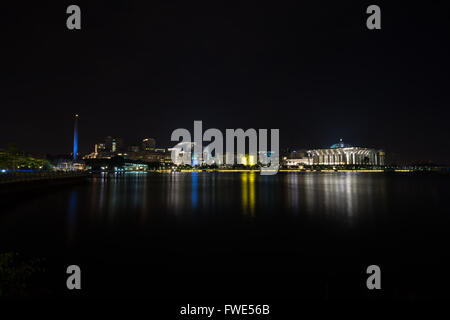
x=344 y=154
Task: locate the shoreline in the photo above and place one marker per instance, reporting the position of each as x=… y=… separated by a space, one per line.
x=22 y=181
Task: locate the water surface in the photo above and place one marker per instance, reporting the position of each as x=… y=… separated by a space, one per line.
x=212 y=235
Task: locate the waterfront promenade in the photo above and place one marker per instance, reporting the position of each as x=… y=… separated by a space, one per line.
x=13 y=178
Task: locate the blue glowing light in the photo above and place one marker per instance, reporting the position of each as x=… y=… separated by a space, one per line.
x=194 y=189
x=75 y=138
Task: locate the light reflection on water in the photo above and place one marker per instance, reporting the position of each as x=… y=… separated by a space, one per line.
x=71 y=216
x=247 y=205
x=248 y=193
x=194 y=189
x=342 y=195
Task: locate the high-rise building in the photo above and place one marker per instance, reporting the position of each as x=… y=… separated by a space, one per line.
x=75 y=138
x=113 y=144
x=148 y=144
x=99 y=147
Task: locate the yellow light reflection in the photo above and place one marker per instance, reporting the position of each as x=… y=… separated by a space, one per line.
x=252 y=193
x=244 y=178
x=248 y=193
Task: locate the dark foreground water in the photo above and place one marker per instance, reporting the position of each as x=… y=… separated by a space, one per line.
x=203 y=236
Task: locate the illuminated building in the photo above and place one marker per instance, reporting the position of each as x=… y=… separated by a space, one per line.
x=183 y=154
x=148 y=144
x=113 y=144
x=266 y=158
x=248 y=160
x=344 y=154
x=99 y=147
x=134 y=167
x=296 y=158
x=212 y=157
x=296 y=162
x=110 y=148
x=159 y=155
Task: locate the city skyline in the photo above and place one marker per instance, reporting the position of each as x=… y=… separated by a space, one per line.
x=317 y=75
x=138 y=145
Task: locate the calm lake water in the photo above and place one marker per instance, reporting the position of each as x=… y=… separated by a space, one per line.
x=205 y=236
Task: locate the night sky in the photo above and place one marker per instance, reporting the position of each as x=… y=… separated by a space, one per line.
x=310 y=68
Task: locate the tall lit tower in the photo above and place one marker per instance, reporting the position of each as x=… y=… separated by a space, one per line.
x=75 y=138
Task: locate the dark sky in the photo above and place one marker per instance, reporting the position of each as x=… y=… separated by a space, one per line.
x=310 y=68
